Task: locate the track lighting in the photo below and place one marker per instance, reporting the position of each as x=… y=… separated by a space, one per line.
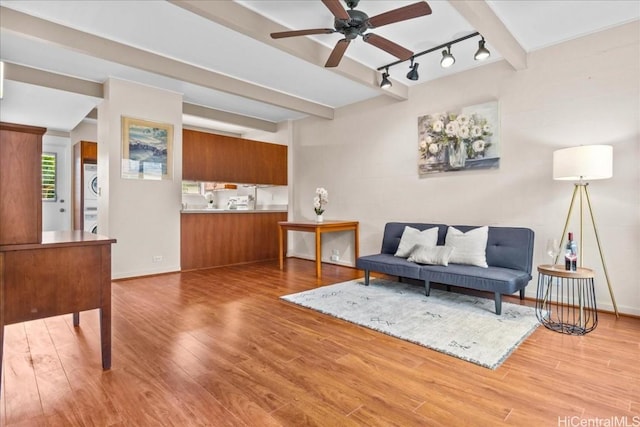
x=385 y=83
x=413 y=73
x=482 y=52
x=446 y=61
x=447 y=58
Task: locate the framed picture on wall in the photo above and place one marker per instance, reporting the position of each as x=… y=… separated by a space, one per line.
x=459 y=140
x=147 y=149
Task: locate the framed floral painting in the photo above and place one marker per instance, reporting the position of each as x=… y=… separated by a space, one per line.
x=460 y=140
x=146 y=149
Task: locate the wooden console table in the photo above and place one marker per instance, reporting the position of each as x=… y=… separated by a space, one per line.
x=69 y=272
x=318 y=228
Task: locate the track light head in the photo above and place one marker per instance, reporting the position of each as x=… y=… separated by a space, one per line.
x=447 y=58
x=482 y=53
x=413 y=72
x=385 y=83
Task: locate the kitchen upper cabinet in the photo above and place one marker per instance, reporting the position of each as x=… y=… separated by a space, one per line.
x=20 y=184
x=86 y=151
x=218 y=158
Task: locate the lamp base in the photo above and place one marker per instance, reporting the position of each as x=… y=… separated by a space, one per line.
x=581 y=189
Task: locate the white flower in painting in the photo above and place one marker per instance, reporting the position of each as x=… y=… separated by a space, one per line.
x=452 y=129
x=437 y=126
x=462 y=120
x=423 y=144
x=476 y=131
x=478 y=145
x=463 y=132
x=429 y=139
x=434 y=148
x=486 y=128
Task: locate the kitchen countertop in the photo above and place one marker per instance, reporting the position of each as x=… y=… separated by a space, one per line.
x=233 y=211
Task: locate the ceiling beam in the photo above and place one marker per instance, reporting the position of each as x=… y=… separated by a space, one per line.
x=481 y=17
x=227 y=117
x=245 y=21
x=119 y=53
x=36 y=77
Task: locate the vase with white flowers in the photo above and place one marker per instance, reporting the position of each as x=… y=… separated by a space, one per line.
x=319 y=201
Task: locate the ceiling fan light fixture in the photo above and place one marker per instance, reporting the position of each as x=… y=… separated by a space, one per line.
x=482 y=53
x=413 y=72
x=385 y=83
x=447 y=58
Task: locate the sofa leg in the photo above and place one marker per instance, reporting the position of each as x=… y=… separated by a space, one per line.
x=448 y=288
x=366 y=277
x=498 y=299
x=427 y=287
x=522 y=293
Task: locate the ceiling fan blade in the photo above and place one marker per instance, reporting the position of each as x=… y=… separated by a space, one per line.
x=337 y=53
x=401 y=14
x=388 y=46
x=337 y=9
x=295 y=33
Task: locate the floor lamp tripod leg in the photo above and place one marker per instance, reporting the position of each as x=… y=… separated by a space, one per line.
x=604 y=265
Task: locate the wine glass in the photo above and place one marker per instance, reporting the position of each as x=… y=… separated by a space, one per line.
x=553 y=249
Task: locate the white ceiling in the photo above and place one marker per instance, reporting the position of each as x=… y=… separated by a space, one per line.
x=220 y=56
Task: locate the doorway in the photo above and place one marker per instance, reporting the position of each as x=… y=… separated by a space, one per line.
x=56 y=189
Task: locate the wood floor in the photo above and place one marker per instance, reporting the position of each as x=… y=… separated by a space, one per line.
x=219 y=348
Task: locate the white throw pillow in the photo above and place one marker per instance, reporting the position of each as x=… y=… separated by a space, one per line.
x=470 y=247
x=412 y=236
x=434 y=255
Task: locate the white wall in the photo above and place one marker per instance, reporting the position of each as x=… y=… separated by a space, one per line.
x=584 y=91
x=87 y=130
x=143 y=215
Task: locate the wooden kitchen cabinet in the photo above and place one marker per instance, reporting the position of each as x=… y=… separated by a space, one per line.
x=20 y=184
x=86 y=151
x=218 y=158
x=215 y=239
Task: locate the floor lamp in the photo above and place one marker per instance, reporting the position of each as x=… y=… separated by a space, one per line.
x=582 y=164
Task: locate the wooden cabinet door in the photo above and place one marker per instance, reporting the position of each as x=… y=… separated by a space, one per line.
x=20 y=184
x=218 y=158
x=89 y=151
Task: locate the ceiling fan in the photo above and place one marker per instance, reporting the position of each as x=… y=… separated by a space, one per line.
x=353 y=23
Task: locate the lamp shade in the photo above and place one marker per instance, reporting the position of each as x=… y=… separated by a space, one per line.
x=583 y=163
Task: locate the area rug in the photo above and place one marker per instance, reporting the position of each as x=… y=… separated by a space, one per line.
x=459 y=325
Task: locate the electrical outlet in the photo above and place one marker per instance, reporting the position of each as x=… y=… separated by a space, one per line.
x=335 y=255
x=157 y=258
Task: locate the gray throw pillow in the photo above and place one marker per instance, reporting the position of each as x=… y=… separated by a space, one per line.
x=470 y=247
x=412 y=237
x=433 y=255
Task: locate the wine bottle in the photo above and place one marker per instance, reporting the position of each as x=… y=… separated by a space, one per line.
x=571 y=254
x=574 y=255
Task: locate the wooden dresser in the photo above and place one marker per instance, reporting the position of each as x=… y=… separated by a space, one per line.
x=51 y=273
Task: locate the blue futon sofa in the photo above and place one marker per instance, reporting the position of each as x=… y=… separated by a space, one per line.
x=509 y=255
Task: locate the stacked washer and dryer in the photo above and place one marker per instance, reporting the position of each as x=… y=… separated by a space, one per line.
x=90 y=201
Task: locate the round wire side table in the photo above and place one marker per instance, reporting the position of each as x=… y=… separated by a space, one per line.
x=566 y=300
